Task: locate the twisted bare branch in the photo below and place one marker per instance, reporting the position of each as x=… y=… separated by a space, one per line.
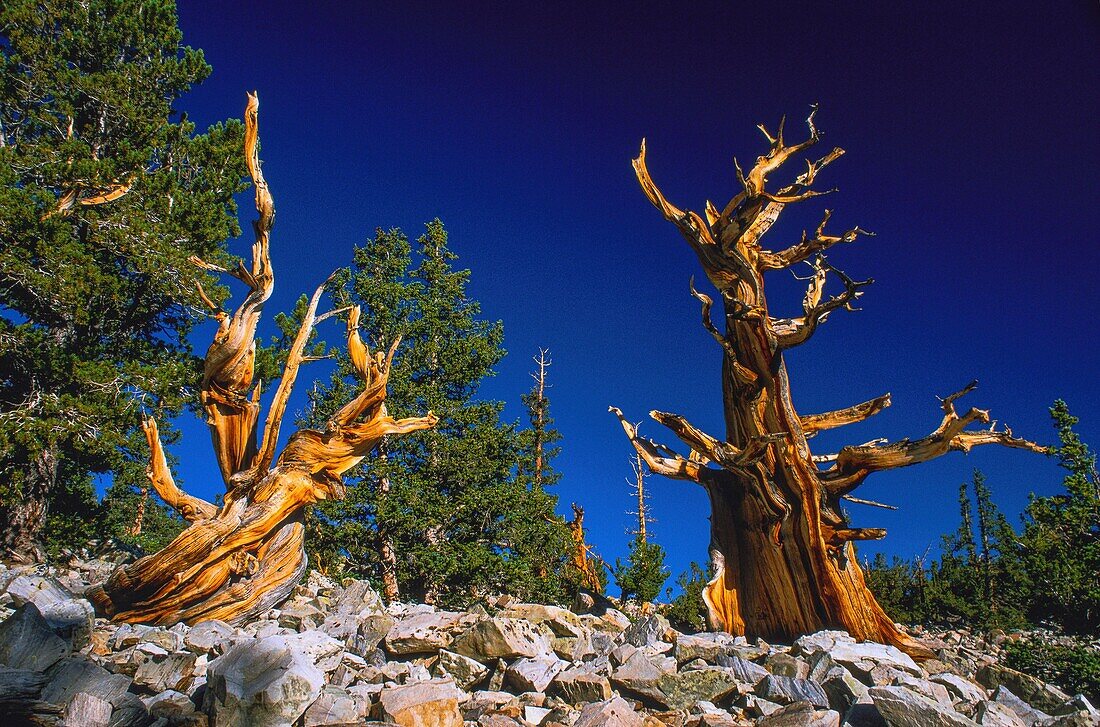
x=790 y=332
x=854 y=464
x=814 y=423
x=660 y=459
x=160 y=476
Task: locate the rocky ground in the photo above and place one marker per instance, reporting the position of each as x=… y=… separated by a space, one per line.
x=334 y=654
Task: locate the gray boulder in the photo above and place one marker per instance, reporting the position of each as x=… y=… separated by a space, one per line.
x=563 y=622
x=639 y=677
x=995 y=714
x=1032 y=690
x=577 y=686
x=261 y=682
x=74 y=675
x=502 y=638
x=962 y=689
x=788 y=690
x=902 y=707
x=801 y=714
x=647 y=631
x=175 y=671
x=209 y=637
x=425 y=633
x=705 y=646
x=710 y=684
x=465 y=671
x=744 y=671
x=534 y=674
x=1003 y=695
x=334 y=707
x=27 y=641
x=172 y=705
x=860 y=658
x=87 y=710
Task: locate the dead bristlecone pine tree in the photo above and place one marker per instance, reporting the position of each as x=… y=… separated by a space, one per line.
x=781 y=544
x=239 y=559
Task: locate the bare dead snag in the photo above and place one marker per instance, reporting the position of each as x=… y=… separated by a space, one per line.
x=583 y=559
x=244 y=557
x=780 y=542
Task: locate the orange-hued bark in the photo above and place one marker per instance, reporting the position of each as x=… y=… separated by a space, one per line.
x=781 y=545
x=244 y=557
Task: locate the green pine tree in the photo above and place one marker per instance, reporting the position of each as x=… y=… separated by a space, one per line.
x=688 y=611
x=1061 y=538
x=439 y=516
x=105 y=191
x=643 y=573
x=542 y=542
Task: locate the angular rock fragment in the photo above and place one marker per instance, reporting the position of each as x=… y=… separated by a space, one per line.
x=334 y=707
x=801 y=714
x=705 y=646
x=535 y=674
x=962 y=689
x=171 y=705
x=1026 y=712
x=902 y=707
x=87 y=710
x=261 y=682
x=994 y=714
x=577 y=686
x=1036 y=692
x=615 y=712
x=639 y=677
x=431 y=703
x=647 y=631
x=710 y=684
x=175 y=671
x=501 y=638
x=788 y=690
x=743 y=670
x=860 y=658
x=209 y=637
x=74 y=675
x=425 y=633
x=465 y=671
x=27 y=642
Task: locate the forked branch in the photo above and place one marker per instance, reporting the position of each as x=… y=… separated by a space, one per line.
x=854 y=464
x=723 y=266
x=266 y=454
x=660 y=459
x=359 y=425
x=230 y=360
x=721 y=453
x=809 y=246
x=790 y=332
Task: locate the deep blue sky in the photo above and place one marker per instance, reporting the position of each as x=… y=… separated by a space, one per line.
x=973 y=153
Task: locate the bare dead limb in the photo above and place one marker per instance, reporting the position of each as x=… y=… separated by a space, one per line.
x=809 y=246
x=814 y=423
x=790 y=332
x=660 y=459
x=854 y=464
x=160 y=476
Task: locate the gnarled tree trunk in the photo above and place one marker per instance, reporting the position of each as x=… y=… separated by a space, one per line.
x=244 y=557
x=780 y=542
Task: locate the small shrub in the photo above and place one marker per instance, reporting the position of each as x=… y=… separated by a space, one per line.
x=1072 y=664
